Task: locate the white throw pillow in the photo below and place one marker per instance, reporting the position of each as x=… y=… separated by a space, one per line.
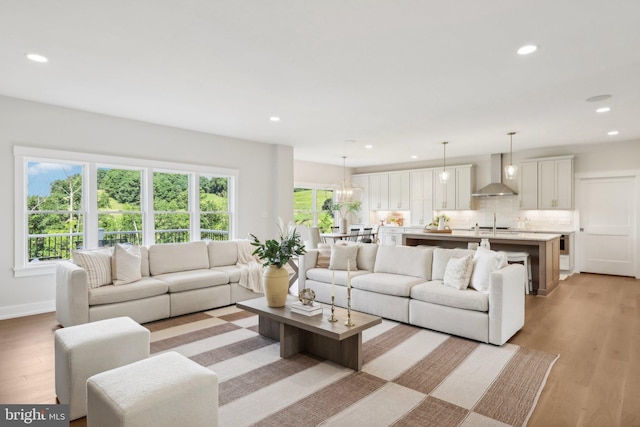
x=485 y=262
x=344 y=257
x=442 y=256
x=125 y=264
x=97 y=264
x=458 y=272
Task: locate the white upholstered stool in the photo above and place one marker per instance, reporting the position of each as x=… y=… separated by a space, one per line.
x=167 y=390
x=523 y=257
x=85 y=350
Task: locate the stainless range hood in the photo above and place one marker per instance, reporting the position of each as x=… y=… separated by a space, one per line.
x=496 y=188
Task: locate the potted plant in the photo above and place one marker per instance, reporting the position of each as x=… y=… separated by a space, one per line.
x=275 y=255
x=440 y=221
x=343 y=210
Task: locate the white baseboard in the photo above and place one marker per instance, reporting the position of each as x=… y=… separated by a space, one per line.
x=27 y=309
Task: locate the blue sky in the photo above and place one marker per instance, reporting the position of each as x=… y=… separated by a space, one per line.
x=41 y=175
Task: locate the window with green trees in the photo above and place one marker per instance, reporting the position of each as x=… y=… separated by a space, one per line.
x=312 y=207
x=78 y=203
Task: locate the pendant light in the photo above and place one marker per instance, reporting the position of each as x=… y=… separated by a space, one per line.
x=444 y=175
x=347 y=191
x=511 y=170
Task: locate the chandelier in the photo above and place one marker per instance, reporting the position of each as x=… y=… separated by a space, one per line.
x=346 y=191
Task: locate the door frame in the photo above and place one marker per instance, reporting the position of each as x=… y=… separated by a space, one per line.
x=630 y=173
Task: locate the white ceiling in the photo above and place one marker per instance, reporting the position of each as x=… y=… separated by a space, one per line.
x=401 y=75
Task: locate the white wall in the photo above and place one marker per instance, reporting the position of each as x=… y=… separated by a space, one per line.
x=317 y=173
x=265 y=188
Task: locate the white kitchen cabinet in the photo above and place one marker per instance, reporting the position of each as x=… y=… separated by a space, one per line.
x=555 y=183
x=379 y=192
x=391 y=235
x=528 y=185
x=455 y=194
x=421 y=197
x=362 y=217
x=464 y=187
x=399 y=191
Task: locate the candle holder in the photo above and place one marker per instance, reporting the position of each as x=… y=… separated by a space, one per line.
x=332 y=318
x=348 y=322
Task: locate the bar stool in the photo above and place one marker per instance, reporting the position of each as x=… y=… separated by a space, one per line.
x=522 y=257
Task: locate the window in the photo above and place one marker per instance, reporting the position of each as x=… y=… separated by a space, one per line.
x=312 y=207
x=54 y=210
x=67 y=200
x=119 y=207
x=214 y=208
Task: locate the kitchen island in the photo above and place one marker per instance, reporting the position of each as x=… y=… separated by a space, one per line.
x=543 y=250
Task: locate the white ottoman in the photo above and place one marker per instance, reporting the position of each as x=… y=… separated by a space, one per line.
x=165 y=390
x=84 y=350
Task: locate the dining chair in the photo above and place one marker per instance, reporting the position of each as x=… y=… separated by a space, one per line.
x=366 y=235
x=353 y=235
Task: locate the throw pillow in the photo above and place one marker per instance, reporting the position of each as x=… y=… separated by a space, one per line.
x=344 y=257
x=458 y=272
x=324 y=255
x=97 y=264
x=485 y=261
x=441 y=257
x=125 y=264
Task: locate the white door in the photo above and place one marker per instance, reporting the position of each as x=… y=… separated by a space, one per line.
x=607 y=212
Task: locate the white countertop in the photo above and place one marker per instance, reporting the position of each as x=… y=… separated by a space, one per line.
x=505 y=235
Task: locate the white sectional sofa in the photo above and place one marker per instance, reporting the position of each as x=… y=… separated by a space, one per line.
x=175 y=279
x=406 y=284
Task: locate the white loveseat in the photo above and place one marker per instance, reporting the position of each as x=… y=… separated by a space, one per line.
x=176 y=279
x=406 y=284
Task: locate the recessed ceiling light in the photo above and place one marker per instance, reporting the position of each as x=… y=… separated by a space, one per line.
x=274 y=118
x=369 y=146
x=613 y=132
x=414 y=157
x=526 y=50
x=36 y=57
x=603 y=110
x=598 y=98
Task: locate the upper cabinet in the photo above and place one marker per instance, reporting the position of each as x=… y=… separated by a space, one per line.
x=399 y=191
x=379 y=192
x=546 y=183
x=455 y=194
x=421 y=197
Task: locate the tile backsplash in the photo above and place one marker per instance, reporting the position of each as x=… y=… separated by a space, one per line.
x=509 y=215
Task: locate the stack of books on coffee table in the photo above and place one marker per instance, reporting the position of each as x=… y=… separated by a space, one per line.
x=306 y=310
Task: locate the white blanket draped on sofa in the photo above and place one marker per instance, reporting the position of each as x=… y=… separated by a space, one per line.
x=250 y=267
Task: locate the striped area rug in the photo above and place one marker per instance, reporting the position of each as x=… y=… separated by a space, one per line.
x=411 y=376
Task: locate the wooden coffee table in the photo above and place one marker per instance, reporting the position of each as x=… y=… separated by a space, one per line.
x=297 y=333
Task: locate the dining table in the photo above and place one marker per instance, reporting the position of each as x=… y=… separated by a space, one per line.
x=333 y=237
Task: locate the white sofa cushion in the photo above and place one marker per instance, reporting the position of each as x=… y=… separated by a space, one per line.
x=438 y=293
x=458 y=272
x=324 y=275
x=230 y=270
x=404 y=260
x=126 y=264
x=144 y=261
x=367 y=253
x=143 y=288
x=173 y=257
x=442 y=256
x=222 y=253
x=193 y=279
x=386 y=283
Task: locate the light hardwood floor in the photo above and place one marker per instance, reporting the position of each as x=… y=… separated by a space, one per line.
x=592 y=321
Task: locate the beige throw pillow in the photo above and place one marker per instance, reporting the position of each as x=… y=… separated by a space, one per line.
x=125 y=264
x=324 y=255
x=344 y=257
x=97 y=264
x=458 y=272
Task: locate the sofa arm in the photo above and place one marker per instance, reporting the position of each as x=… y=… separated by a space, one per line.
x=506 y=303
x=72 y=294
x=307 y=262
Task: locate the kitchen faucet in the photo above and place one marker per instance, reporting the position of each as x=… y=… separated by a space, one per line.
x=494 y=223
